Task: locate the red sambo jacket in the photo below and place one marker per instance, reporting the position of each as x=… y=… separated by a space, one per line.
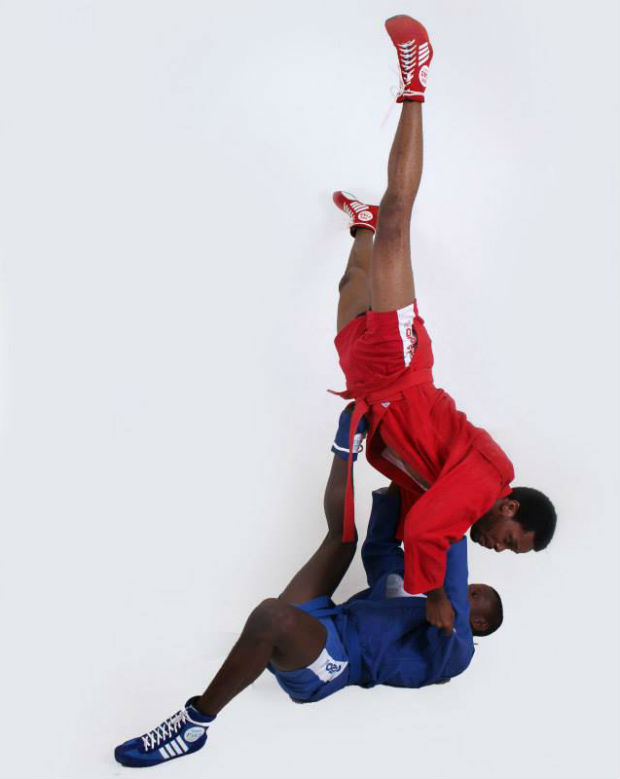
x=466 y=470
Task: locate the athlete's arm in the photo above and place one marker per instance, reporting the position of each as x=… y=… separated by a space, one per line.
x=439 y=611
x=449 y=605
x=441 y=517
x=381 y=551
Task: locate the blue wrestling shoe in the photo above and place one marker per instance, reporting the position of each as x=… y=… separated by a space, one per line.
x=181 y=734
x=340 y=447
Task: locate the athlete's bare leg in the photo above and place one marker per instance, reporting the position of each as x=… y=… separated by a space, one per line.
x=276 y=631
x=391 y=275
x=355 y=284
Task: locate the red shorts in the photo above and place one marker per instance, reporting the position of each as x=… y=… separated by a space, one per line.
x=376 y=347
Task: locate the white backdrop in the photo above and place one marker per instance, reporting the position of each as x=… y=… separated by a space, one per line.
x=169 y=263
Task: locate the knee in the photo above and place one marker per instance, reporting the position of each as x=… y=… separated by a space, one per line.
x=394 y=213
x=266 y=619
x=353 y=274
x=413 y=538
x=334 y=539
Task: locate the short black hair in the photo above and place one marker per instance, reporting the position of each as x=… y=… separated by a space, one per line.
x=536 y=512
x=496 y=617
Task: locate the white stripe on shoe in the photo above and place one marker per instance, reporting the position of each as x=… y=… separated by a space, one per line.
x=181 y=743
x=204 y=725
x=170 y=750
x=163 y=753
x=176 y=747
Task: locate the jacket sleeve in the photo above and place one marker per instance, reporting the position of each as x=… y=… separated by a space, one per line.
x=442 y=516
x=381 y=552
x=455 y=583
x=450 y=655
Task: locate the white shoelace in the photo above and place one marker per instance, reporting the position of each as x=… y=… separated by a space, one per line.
x=407 y=57
x=354 y=208
x=166 y=730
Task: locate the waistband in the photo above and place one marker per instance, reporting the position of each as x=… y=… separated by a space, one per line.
x=380 y=398
x=392 y=391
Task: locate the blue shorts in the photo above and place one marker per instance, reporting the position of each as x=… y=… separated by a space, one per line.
x=330 y=671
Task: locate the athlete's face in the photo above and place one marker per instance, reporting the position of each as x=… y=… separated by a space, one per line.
x=499 y=530
x=481 y=606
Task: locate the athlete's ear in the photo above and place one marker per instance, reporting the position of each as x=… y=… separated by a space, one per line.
x=479 y=624
x=509 y=507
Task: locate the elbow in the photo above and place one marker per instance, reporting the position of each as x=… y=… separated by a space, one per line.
x=413 y=538
x=366 y=554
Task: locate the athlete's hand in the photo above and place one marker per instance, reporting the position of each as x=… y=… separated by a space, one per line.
x=439 y=611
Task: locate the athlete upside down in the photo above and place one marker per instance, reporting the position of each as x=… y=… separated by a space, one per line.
x=448 y=476
x=453 y=476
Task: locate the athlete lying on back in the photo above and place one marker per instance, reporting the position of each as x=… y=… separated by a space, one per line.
x=315 y=648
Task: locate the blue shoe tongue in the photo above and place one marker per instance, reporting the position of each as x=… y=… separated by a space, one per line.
x=196 y=715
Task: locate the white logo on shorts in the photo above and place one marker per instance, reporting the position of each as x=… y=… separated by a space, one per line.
x=193 y=734
x=407 y=333
x=326 y=667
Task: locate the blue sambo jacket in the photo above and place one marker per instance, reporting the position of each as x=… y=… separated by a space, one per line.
x=389 y=640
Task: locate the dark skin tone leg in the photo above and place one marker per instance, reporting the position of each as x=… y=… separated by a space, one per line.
x=379 y=275
x=276 y=631
x=379 y=272
x=354 y=286
x=391 y=274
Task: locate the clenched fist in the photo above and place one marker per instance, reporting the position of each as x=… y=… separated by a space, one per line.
x=439 y=611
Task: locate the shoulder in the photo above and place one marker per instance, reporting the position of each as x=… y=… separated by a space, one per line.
x=494 y=456
x=457 y=555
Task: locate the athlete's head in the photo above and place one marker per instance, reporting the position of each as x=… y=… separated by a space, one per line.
x=523 y=521
x=485 y=609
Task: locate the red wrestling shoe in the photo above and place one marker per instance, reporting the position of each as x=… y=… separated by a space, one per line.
x=414 y=56
x=360 y=214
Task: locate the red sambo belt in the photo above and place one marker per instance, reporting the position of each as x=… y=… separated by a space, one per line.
x=380 y=401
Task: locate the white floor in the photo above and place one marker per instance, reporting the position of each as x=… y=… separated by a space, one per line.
x=169 y=262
